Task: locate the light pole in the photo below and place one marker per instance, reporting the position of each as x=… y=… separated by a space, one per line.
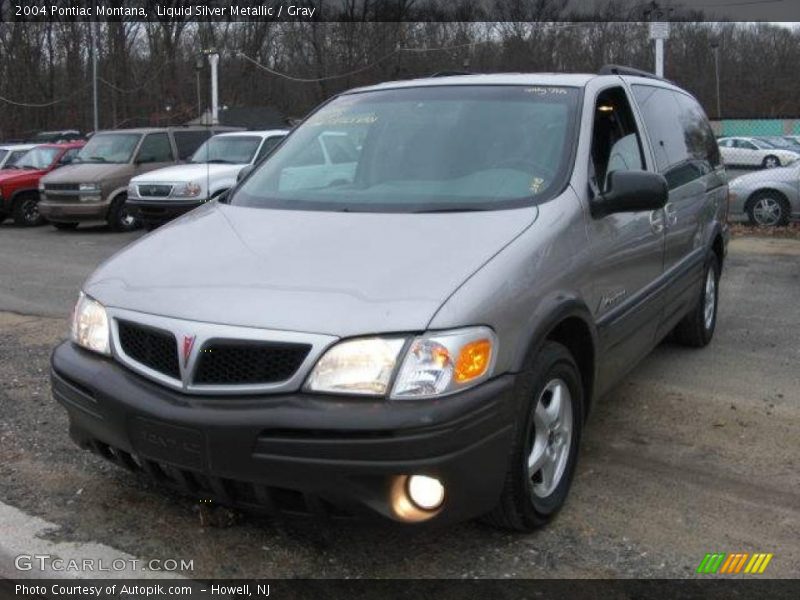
x=93 y=35
x=715 y=47
x=213 y=62
x=198 y=66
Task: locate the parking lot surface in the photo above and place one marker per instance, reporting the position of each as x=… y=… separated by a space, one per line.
x=695 y=452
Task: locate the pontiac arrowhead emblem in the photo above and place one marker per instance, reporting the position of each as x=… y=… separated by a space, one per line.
x=188 y=344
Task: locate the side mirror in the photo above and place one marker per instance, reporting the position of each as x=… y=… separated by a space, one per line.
x=630 y=191
x=244 y=172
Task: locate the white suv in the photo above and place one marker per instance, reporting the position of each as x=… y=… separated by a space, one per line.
x=161 y=195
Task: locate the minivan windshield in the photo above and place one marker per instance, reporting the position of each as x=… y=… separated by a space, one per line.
x=109 y=148
x=423 y=149
x=231 y=149
x=37 y=158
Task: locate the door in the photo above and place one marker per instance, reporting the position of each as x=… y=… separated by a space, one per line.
x=628 y=247
x=155 y=152
x=688 y=157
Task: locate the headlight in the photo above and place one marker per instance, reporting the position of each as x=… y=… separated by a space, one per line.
x=41 y=186
x=435 y=364
x=90 y=325
x=188 y=190
x=88 y=187
x=362 y=366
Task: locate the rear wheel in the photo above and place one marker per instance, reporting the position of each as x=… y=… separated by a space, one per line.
x=768 y=209
x=120 y=215
x=26 y=210
x=770 y=162
x=697 y=328
x=65 y=225
x=545 y=450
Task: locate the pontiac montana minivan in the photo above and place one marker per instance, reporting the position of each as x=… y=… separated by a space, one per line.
x=422 y=335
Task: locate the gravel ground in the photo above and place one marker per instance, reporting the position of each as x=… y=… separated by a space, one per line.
x=695 y=452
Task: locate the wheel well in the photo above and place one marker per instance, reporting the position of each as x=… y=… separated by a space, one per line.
x=575 y=335
x=758 y=193
x=719 y=249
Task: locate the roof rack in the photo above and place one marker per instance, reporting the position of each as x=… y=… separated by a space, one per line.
x=622 y=70
x=451 y=73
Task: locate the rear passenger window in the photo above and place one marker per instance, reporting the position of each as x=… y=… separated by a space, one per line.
x=616 y=145
x=189 y=141
x=683 y=142
x=155 y=148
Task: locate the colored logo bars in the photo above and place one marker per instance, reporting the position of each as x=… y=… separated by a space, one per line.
x=722 y=563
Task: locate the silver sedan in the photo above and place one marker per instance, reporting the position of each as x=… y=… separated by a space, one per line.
x=768 y=198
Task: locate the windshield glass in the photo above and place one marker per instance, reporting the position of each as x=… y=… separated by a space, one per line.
x=3 y=153
x=442 y=148
x=227 y=149
x=37 y=158
x=109 y=147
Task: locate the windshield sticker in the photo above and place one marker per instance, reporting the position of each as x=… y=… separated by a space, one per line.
x=544 y=91
x=339 y=118
x=536 y=185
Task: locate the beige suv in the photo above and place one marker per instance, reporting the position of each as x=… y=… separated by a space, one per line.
x=95 y=186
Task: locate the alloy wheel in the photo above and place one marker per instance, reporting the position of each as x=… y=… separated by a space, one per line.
x=710 y=299
x=552 y=438
x=767 y=211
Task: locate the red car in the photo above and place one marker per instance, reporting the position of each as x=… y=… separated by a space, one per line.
x=19 y=184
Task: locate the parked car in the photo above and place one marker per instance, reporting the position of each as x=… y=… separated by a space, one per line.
x=19 y=195
x=754 y=152
x=767 y=199
x=161 y=195
x=95 y=187
x=57 y=137
x=423 y=337
x=10 y=153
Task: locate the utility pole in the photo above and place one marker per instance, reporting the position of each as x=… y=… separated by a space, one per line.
x=93 y=35
x=715 y=47
x=213 y=62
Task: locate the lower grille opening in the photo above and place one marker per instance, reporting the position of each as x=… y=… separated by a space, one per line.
x=245 y=495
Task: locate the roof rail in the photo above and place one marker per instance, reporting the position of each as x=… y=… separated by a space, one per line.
x=623 y=70
x=451 y=73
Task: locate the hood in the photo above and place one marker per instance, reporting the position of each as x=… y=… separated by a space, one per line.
x=333 y=273
x=88 y=173
x=185 y=173
x=12 y=175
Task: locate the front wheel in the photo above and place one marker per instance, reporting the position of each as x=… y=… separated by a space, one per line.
x=545 y=450
x=697 y=328
x=26 y=211
x=120 y=215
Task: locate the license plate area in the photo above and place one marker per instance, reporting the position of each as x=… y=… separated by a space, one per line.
x=171 y=444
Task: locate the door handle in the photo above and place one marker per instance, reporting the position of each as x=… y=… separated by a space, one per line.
x=657 y=221
x=672 y=214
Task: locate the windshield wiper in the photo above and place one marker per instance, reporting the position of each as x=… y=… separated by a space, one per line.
x=221 y=160
x=98 y=158
x=27 y=167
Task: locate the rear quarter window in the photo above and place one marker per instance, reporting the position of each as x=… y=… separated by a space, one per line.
x=189 y=141
x=682 y=139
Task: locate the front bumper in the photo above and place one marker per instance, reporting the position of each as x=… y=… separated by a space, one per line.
x=71 y=212
x=160 y=211
x=291 y=452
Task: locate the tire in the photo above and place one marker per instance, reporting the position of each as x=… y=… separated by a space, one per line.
x=770 y=162
x=120 y=218
x=697 y=328
x=65 y=226
x=768 y=209
x=529 y=499
x=26 y=211
x=151 y=225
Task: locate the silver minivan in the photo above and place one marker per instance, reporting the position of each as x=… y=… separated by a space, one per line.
x=412 y=306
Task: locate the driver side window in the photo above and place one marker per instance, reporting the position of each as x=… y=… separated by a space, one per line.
x=155 y=149
x=616 y=144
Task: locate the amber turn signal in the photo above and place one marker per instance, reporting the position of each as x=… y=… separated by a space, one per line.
x=473 y=360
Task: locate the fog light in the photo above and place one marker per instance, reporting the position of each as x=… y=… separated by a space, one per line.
x=426 y=492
